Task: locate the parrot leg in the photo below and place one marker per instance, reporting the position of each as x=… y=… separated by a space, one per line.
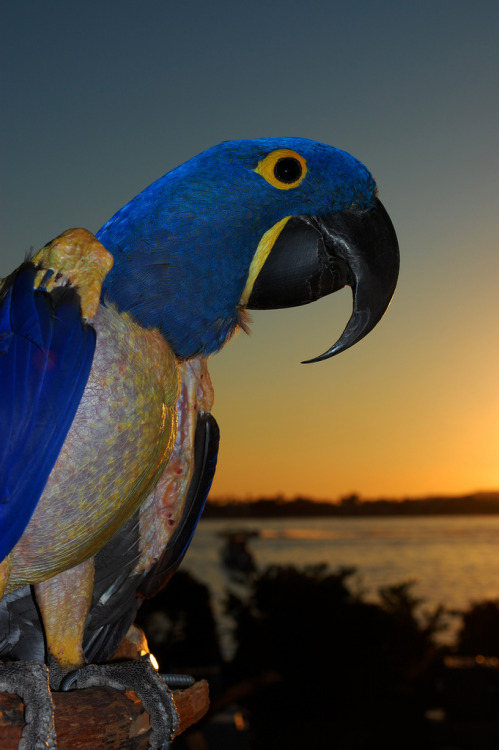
x=5 y=568
x=64 y=602
x=30 y=681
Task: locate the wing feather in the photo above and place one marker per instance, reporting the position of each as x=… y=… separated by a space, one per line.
x=46 y=353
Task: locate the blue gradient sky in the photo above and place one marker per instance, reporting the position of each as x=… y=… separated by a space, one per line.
x=101 y=98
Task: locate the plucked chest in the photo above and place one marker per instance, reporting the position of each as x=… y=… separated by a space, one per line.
x=117 y=447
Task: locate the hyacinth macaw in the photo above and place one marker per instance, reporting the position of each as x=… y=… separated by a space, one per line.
x=109 y=445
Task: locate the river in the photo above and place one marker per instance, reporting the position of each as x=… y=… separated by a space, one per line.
x=453 y=560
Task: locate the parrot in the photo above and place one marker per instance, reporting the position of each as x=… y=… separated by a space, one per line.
x=109 y=444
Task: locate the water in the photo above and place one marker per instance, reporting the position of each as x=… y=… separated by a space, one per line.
x=453 y=560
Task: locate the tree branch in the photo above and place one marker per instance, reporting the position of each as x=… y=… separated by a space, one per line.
x=101 y=717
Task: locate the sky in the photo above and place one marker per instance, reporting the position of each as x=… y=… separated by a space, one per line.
x=99 y=99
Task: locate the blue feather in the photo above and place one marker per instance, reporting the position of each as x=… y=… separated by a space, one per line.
x=45 y=360
x=182 y=248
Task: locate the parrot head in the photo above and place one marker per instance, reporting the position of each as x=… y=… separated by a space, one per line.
x=257 y=224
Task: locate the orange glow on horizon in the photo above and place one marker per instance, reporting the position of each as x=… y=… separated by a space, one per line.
x=386 y=419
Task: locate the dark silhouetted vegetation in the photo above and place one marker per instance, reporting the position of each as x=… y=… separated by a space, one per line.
x=480 y=630
x=353 y=674
x=318 y=666
x=480 y=503
x=315 y=664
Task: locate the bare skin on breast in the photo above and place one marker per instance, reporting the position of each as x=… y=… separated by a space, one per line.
x=119 y=443
x=163 y=509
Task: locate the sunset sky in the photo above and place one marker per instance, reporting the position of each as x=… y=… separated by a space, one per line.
x=98 y=99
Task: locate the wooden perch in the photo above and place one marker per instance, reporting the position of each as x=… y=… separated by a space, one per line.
x=101 y=718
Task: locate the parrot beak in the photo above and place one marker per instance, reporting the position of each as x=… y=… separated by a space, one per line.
x=315 y=256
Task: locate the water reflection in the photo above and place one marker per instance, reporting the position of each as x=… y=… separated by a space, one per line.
x=454 y=560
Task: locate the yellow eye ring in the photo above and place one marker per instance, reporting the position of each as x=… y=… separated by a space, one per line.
x=283 y=168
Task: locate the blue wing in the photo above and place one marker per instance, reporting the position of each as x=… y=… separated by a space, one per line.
x=46 y=352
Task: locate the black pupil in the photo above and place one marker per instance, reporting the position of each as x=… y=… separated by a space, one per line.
x=287 y=169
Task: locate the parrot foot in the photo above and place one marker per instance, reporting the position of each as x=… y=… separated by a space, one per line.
x=30 y=681
x=140 y=677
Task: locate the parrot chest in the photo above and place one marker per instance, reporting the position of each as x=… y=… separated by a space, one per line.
x=116 y=449
x=162 y=511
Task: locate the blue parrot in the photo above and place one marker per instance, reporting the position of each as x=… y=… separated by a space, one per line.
x=109 y=443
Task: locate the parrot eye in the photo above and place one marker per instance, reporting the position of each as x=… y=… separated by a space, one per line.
x=283 y=168
x=287 y=170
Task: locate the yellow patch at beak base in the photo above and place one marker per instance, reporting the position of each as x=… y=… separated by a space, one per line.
x=262 y=252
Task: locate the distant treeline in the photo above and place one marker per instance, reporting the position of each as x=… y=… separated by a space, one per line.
x=481 y=503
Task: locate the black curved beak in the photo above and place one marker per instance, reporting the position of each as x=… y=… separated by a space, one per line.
x=315 y=256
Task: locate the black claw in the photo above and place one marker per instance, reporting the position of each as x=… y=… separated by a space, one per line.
x=69 y=681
